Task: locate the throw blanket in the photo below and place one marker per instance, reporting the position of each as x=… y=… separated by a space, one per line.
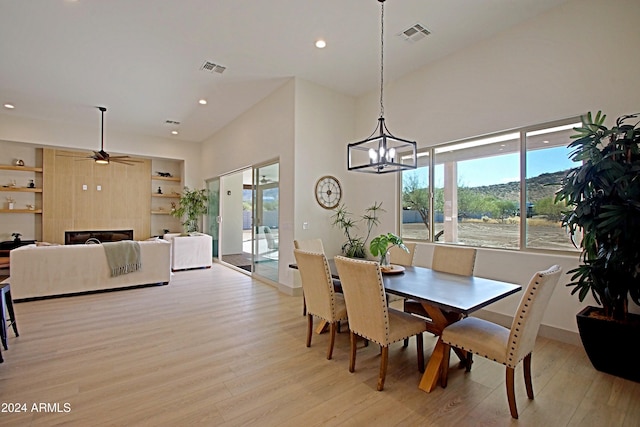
x=123 y=257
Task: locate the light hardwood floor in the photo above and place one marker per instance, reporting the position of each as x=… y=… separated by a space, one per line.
x=216 y=347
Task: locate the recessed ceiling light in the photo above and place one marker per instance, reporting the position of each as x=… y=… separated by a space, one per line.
x=202 y=102
x=9 y=106
x=174 y=132
x=320 y=44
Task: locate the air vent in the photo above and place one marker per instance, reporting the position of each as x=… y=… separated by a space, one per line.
x=212 y=67
x=415 y=33
x=171 y=122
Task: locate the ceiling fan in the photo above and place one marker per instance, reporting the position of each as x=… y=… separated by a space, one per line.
x=102 y=157
x=264 y=180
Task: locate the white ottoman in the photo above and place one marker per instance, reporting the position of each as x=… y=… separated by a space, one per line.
x=193 y=251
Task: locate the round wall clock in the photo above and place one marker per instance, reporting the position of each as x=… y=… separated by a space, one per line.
x=328 y=192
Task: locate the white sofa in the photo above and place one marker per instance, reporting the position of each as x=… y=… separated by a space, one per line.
x=41 y=271
x=193 y=251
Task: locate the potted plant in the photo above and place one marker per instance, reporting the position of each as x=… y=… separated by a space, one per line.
x=193 y=204
x=355 y=246
x=380 y=246
x=603 y=194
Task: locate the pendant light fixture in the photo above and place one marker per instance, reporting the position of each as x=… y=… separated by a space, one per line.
x=382 y=152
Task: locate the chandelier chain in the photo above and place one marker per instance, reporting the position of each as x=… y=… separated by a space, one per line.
x=381 y=58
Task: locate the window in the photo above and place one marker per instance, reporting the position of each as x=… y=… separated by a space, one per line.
x=495 y=191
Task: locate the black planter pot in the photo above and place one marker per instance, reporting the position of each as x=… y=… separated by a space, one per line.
x=610 y=344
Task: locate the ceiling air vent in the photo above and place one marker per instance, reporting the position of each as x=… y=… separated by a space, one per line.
x=171 y=122
x=212 y=67
x=415 y=33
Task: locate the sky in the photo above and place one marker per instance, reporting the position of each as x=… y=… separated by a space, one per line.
x=503 y=169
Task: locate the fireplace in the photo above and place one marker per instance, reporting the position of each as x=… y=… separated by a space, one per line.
x=96 y=236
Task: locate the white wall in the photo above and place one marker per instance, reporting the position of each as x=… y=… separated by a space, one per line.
x=265 y=132
x=231 y=211
x=324 y=126
x=576 y=58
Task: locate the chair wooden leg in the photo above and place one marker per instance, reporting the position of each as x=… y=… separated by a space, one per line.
x=309 y=329
x=384 y=361
x=444 y=372
x=511 y=396
x=468 y=362
x=352 y=355
x=527 y=375
x=332 y=339
x=304 y=305
x=420 y=346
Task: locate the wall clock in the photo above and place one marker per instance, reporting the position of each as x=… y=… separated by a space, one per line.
x=328 y=192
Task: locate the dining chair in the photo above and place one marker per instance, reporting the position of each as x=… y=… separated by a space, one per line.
x=369 y=315
x=310 y=245
x=446 y=259
x=399 y=256
x=506 y=346
x=321 y=299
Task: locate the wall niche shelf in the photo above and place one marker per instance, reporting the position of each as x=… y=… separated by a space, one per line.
x=160 y=212
x=22 y=189
x=166 y=178
x=20 y=168
x=21 y=211
x=167 y=196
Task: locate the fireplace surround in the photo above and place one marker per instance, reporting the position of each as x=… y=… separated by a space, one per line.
x=90 y=236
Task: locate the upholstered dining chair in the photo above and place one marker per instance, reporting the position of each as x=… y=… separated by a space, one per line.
x=310 y=245
x=400 y=256
x=447 y=259
x=321 y=299
x=506 y=346
x=369 y=315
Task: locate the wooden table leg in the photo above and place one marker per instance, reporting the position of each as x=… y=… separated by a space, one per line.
x=431 y=374
x=322 y=326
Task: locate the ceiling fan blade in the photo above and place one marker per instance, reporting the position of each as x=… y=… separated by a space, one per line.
x=124 y=162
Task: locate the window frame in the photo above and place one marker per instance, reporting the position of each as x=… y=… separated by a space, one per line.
x=522 y=132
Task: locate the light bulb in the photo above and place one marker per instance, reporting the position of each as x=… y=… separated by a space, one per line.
x=373 y=155
x=391 y=154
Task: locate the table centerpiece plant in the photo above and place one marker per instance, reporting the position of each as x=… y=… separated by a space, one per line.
x=603 y=197
x=381 y=244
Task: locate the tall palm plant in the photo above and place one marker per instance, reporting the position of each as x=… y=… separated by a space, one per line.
x=193 y=204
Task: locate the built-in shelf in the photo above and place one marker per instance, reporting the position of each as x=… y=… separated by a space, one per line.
x=166 y=178
x=160 y=212
x=22 y=189
x=20 y=168
x=168 y=196
x=22 y=211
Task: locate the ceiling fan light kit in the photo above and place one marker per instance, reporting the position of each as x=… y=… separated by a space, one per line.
x=102 y=157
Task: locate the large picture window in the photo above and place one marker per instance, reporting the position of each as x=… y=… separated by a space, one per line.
x=496 y=191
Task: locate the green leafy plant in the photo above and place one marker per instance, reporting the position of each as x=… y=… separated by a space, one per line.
x=355 y=246
x=603 y=197
x=381 y=244
x=193 y=204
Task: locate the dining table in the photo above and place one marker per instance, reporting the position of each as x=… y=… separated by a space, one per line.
x=446 y=297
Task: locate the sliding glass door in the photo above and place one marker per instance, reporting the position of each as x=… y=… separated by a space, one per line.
x=266 y=208
x=213 y=213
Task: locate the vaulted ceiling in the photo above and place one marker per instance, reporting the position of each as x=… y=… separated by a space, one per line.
x=142 y=59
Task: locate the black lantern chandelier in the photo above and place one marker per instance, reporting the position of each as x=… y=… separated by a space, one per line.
x=382 y=152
